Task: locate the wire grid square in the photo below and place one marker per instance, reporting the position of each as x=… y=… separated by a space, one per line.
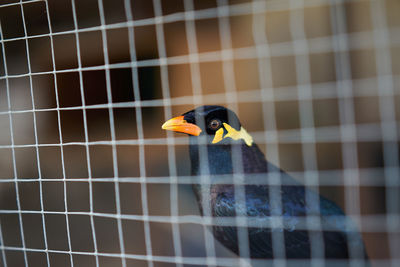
x=323 y=94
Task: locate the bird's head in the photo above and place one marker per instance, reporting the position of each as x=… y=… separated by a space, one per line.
x=219 y=124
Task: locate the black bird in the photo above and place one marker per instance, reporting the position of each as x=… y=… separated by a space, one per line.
x=217 y=131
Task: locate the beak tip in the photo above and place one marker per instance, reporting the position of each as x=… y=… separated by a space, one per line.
x=167 y=125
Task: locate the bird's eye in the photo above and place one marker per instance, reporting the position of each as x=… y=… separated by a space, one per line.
x=214 y=124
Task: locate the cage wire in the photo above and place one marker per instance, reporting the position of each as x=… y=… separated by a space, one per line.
x=87 y=176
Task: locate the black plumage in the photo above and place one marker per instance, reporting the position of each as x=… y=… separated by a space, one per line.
x=223 y=149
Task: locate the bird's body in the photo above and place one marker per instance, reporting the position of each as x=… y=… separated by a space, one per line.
x=258 y=204
x=227 y=156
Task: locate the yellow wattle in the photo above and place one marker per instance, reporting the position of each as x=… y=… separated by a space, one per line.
x=218 y=136
x=236 y=135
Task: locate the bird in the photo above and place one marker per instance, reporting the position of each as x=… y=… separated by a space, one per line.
x=217 y=133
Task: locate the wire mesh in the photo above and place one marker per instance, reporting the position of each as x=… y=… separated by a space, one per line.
x=87 y=176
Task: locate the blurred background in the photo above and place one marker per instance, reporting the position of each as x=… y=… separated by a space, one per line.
x=86 y=85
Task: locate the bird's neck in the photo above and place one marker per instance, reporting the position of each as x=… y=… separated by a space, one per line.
x=217 y=159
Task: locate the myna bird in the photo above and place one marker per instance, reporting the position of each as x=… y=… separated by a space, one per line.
x=218 y=132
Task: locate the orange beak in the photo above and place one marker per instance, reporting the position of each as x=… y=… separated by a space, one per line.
x=178 y=124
